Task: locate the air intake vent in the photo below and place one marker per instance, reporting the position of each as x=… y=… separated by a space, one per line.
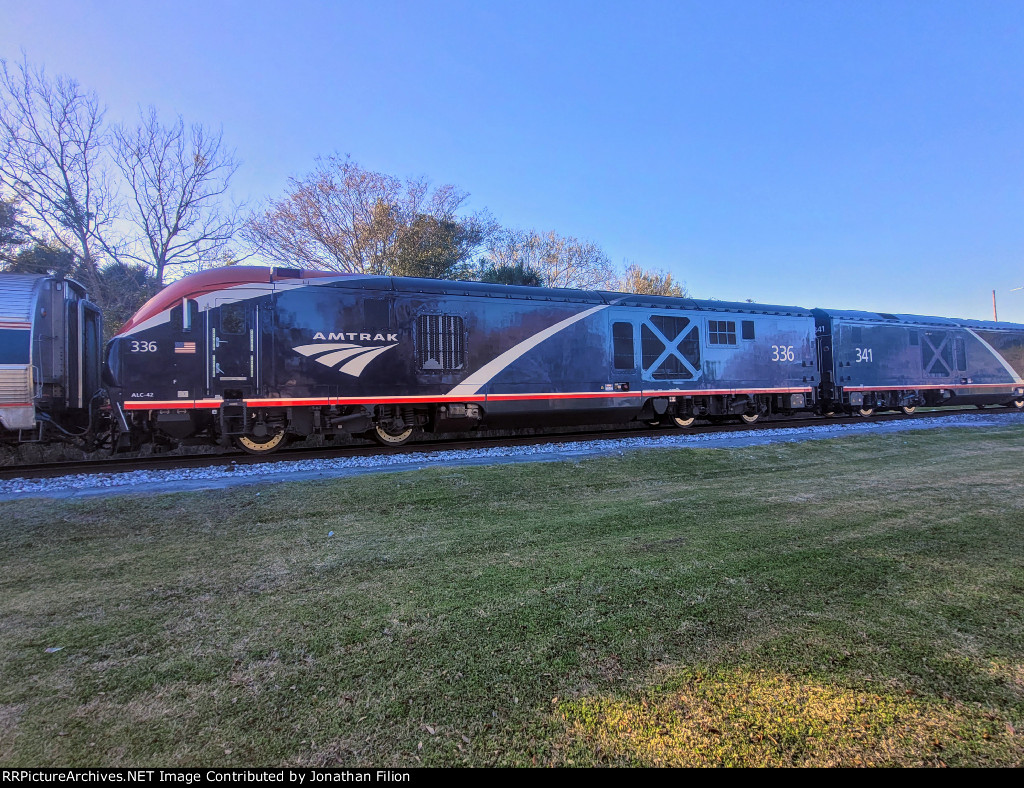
x=440 y=343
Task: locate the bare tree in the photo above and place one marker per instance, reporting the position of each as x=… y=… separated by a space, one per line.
x=561 y=261
x=649 y=282
x=51 y=146
x=177 y=179
x=343 y=217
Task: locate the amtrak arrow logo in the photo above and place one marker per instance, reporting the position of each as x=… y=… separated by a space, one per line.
x=348 y=358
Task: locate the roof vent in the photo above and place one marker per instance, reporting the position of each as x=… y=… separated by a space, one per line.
x=287 y=273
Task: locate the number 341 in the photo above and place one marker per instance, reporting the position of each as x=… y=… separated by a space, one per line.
x=143 y=347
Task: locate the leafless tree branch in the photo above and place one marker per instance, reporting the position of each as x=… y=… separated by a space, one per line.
x=177 y=178
x=51 y=146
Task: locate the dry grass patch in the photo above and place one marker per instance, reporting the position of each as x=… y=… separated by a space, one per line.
x=742 y=717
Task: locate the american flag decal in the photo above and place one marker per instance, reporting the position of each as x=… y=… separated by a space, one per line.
x=184 y=347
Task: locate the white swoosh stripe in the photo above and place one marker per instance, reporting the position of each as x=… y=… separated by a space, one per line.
x=356 y=366
x=1006 y=365
x=309 y=350
x=474 y=382
x=330 y=359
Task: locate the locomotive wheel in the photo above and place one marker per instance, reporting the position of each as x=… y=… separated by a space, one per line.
x=652 y=423
x=750 y=418
x=682 y=422
x=386 y=437
x=909 y=409
x=1018 y=404
x=866 y=412
x=265 y=445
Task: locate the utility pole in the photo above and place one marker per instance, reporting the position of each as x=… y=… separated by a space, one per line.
x=995 y=315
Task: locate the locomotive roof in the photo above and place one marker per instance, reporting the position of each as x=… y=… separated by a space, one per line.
x=216 y=279
x=213 y=280
x=918 y=320
x=236 y=275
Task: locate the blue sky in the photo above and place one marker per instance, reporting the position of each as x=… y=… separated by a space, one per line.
x=859 y=155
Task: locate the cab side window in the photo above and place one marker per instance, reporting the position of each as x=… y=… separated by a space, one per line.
x=232 y=317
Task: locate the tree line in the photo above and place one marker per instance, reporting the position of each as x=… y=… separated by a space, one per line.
x=126 y=206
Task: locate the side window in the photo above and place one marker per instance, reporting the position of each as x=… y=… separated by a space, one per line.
x=440 y=343
x=622 y=342
x=182 y=320
x=232 y=317
x=721 y=332
x=748 y=329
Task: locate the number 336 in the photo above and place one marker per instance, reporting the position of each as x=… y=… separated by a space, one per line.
x=783 y=353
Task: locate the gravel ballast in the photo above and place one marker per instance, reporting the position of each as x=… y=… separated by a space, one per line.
x=217 y=477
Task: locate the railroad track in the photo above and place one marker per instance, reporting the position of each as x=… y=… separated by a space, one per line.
x=228 y=459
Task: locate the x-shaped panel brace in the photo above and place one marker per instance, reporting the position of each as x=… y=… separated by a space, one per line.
x=671 y=349
x=937 y=354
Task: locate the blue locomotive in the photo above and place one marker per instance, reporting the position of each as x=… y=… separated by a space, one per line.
x=256 y=356
x=878 y=361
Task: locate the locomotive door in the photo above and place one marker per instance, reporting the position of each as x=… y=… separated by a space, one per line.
x=233 y=338
x=624 y=374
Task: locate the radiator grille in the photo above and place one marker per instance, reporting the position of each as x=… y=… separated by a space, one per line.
x=440 y=343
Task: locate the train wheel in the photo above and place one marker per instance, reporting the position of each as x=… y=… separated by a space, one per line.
x=652 y=423
x=750 y=418
x=909 y=409
x=386 y=437
x=682 y=422
x=866 y=412
x=265 y=445
x=1018 y=404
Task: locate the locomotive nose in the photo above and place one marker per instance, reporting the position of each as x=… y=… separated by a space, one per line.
x=112 y=362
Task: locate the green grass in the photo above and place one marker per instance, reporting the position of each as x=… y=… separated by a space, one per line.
x=852 y=601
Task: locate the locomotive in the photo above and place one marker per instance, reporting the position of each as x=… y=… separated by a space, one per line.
x=256 y=356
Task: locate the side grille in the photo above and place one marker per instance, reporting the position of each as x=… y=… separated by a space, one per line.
x=440 y=343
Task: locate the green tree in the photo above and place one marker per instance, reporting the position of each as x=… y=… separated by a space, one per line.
x=11 y=235
x=437 y=248
x=126 y=287
x=514 y=274
x=40 y=258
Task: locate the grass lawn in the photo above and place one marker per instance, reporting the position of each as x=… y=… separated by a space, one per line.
x=851 y=601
